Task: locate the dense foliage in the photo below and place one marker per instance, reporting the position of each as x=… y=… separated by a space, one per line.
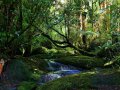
x=26 y=24
x=59 y=29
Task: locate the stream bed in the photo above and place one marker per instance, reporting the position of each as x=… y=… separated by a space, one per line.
x=57 y=70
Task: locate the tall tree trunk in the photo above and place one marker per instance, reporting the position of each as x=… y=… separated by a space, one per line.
x=84 y=29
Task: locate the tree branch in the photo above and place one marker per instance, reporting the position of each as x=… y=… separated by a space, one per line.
x=55 y=42
x=67 y=42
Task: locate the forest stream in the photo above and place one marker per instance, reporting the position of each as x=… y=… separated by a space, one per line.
x=58 y=70
x=59 y=44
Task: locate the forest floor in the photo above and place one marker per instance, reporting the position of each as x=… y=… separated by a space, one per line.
x=95 y=78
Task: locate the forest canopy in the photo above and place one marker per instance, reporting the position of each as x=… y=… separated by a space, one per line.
x=65 y=23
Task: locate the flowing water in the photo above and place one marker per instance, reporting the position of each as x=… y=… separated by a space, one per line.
x=57 y=70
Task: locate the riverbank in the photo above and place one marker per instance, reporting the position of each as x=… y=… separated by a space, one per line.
x=30 y=70
x=93 y=80
x=85 y=62
x=79 y=61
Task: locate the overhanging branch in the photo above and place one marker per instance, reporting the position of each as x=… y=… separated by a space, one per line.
x=67 y=42
x=55 y=42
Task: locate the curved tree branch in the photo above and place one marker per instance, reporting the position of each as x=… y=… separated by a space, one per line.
x=67 y=42
x=55 y=42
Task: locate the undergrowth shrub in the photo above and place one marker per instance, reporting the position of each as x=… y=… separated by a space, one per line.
x=109 y=50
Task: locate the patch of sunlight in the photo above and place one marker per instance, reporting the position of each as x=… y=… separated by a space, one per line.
x=89 y=73
x=63 y=1
x=74 y=75
x=108 y=63
x=35 y=69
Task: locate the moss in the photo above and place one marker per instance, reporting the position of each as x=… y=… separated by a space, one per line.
x=82 y=61
x=84 y=81
x=39 y=50
x=16 y=69
x=26 y=85
x=36 y=62
x=107 y=77
x=73 y=82
x=35 y=76
x=115 y=62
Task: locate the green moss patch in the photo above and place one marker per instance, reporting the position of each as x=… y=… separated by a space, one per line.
x=91 y=80
x=73 y=82
x=81 y=61
x=26 y=85
x=107 y=77
x=35 y=62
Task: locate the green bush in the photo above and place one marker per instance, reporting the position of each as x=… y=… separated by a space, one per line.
x=109 y=51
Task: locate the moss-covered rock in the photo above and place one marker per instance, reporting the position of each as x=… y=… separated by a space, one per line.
x=106 y=77
x=82 y=61
x=84 y=81
x=16 y=70
x=73 y=82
